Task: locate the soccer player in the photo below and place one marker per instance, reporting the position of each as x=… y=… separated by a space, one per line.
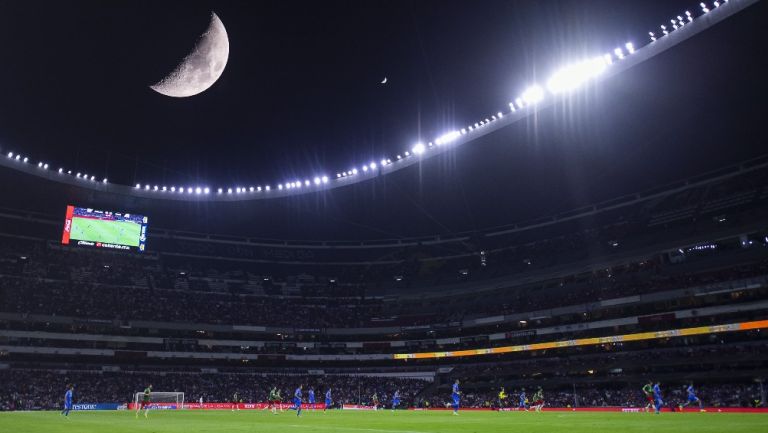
x=538 y=400
x=523 y=401
x=235 y=401
x=273 y=399
x=297 y=401
x=502 y=397
x=648 y=391
x=328 y=400
x=68 y=400
x=145 y=402
x=396 y=400
x=456 y=396
x=312 y=398
x=657 y=400
x=692 y=398
x=375 y=398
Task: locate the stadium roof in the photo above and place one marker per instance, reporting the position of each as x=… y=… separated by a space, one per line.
x=665 y=119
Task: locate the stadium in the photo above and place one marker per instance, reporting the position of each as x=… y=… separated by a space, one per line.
x=391 y=217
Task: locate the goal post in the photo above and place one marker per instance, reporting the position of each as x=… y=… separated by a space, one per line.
x=169 y=400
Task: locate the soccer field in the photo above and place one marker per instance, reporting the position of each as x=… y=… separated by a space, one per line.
x=256 y=421
x=111 y=232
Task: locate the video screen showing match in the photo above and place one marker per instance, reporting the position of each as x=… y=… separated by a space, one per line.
x=104 y=229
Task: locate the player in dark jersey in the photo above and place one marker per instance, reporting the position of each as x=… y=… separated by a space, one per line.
x=235 y=401
x=273 y=399
x=648 y=392
x=145 y=400
x=538 y=400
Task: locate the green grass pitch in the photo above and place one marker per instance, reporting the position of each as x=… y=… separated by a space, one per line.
x=257 y=421
x=112 y=232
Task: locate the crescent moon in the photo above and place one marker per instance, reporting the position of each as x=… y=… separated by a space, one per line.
x=201 y=67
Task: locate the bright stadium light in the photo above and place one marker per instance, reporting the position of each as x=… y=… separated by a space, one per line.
x=372 y=166
x=574 y=76
x=267 y=188
x=280 y=186
x=258 y=188
x=365 y=168
x=198 y=190
x=93 y=177
x=61 y=170
x=173 y=189
x=10 y=154
x=146 y=187
x=229 y=190
x=306 y=182
x=618 y=53
x=689 y=16
x=220 y=190
x=653 y=37
x=104 y=180
x=207 y=190
x=533 y=94
x=317 y=181
x=664 y=30
x=674 y=24
x=338 y=175
x=630 y=47
x=418 y=149
x=138 y=185
x=447 y=137
x=45 y=166
x=78 y=175
x=40 y=164
x=354 y=171
x=324 y=179
x=26 y=159
x=250 y=189
x=519 y=102
x=18 y=157
x=165 y=188
x=181 y=190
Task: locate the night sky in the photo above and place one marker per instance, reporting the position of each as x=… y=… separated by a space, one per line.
x=300 y=96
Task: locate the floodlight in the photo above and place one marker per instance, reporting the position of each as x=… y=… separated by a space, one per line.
x=198 y=190
x=104 y=180
x=324 y=179
x=418 y=149
x=45 y=166
x=317 y=181
x=533 y=94
x=630 y=47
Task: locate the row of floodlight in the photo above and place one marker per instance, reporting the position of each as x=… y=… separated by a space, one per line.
x=678 y=21
x=44 y=166
x=564 y=80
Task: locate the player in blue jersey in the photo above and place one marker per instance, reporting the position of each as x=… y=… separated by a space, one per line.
x=523 y=401
x=297 y=401
x=328 y=400
x=68 y=400
x=311 y=398
x=692 y=398
x=395 y=400
x=657 y=400
x=456 y=396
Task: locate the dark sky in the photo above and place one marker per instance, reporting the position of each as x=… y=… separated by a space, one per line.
x=301 y=96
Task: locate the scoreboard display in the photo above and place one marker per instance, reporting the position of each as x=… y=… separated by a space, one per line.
x=103 y=229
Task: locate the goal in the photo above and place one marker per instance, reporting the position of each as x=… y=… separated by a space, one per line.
x=169 y=400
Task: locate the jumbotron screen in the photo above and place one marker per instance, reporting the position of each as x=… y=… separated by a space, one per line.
x=102 y=229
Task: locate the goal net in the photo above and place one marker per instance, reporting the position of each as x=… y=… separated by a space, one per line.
x=171 y=400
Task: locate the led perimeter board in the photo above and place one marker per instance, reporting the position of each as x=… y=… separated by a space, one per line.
x=103 y=229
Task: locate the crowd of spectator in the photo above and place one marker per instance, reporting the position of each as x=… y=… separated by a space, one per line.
x=106 y=286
